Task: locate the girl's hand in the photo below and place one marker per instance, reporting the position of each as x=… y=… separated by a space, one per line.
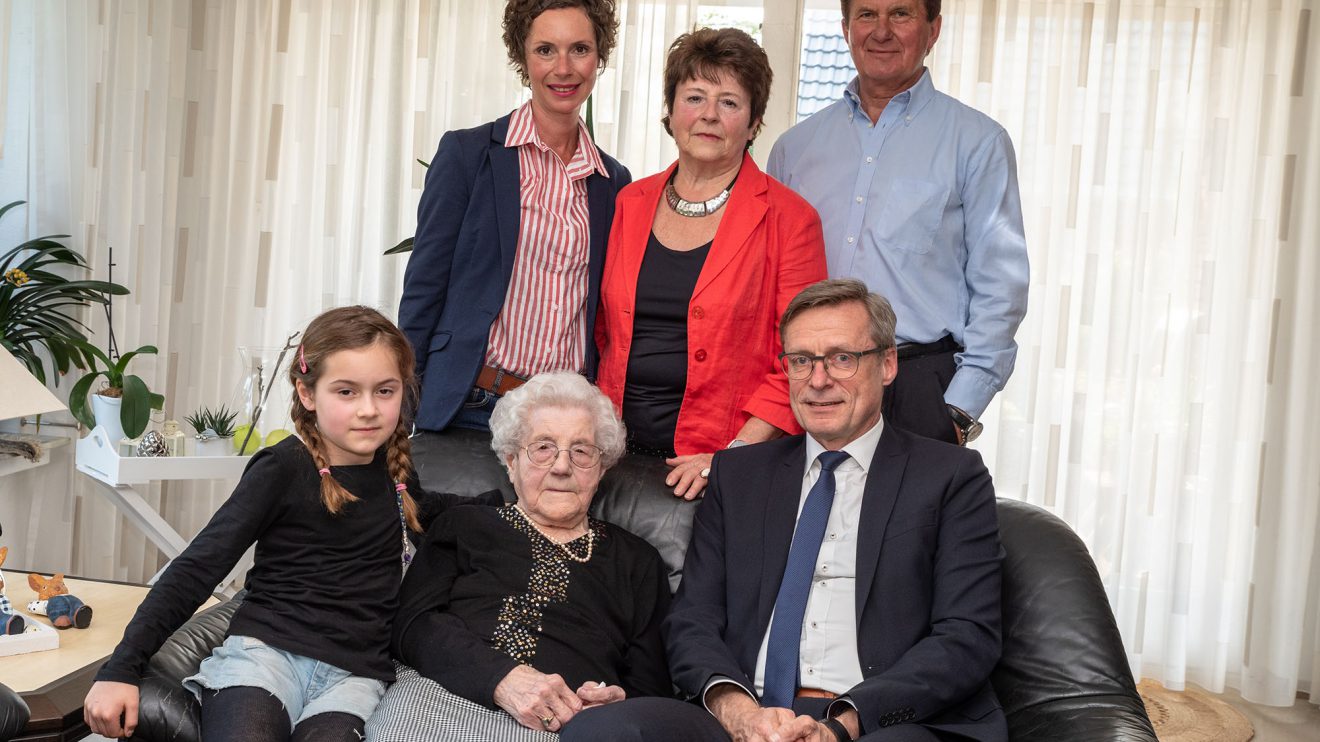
x=111 y=709
x=599 y=694
x=537 y=700
x=688 y=474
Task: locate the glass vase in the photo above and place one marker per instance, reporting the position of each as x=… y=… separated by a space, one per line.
x=261 y=398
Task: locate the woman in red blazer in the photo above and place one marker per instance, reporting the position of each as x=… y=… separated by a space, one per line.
x=702 y=260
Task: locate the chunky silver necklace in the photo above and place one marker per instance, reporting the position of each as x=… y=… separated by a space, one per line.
x=563 y=545
x=696 y=209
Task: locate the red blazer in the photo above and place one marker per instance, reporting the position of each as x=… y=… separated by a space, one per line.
x=769 y=246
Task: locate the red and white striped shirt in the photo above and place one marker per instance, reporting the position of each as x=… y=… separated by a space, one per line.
x=542 y=326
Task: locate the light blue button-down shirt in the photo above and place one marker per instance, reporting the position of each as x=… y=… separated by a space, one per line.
x=923 y=206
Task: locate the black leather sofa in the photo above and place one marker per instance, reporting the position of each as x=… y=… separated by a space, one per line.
x=14 y=713
x=1063 y=676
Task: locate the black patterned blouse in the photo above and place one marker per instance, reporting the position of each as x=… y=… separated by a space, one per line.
x=487 y=592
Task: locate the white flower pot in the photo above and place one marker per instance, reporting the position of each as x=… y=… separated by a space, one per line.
x=215 y=447
x=106 y=412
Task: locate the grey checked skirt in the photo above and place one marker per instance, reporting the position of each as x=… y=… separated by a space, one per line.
x=417 y=709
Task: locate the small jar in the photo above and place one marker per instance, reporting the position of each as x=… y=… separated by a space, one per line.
x=174 y=438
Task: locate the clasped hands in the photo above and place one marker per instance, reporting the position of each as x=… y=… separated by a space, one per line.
x=541 y=701
x=746 y=721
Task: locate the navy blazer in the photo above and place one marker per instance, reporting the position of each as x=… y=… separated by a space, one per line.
x=928 y=584
x=462 y=260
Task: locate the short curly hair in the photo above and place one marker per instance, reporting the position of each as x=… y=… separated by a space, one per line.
x=520 y=14
x=509 y=420
x=708 y=53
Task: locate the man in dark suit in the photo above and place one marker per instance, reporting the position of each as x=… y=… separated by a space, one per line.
x=881 y=621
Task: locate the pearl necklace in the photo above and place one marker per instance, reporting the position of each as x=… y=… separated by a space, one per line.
x=696 y=209
x=563 y=545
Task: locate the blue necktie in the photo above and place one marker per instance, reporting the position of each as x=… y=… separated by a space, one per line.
x=781 y=656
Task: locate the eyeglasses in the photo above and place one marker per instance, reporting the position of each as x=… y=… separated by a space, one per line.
x=546 y=453
x=841 y=364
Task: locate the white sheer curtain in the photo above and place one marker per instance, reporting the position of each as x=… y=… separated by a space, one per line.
x=628 y=101
x=1161 y=403
x=250 y=161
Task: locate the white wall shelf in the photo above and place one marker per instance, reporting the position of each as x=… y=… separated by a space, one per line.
x=119 y=476
x=16 y=464
x=98 y=459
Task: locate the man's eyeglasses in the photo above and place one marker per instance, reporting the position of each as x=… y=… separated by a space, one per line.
x=545 y=453
x=841 y=364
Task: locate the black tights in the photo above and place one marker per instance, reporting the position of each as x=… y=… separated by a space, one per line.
x=247 y=714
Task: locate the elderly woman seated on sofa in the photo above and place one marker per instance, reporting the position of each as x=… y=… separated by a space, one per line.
x=515 y=622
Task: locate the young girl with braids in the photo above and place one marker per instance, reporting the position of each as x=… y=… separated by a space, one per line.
x=307 y=653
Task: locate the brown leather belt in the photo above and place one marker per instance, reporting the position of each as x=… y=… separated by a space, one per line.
x=815 y=693
x=498 y=381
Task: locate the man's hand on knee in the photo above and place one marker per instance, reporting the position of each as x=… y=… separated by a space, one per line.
x=746 y=721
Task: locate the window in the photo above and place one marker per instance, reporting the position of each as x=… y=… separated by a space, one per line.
x=826 y=67
x=747 y=16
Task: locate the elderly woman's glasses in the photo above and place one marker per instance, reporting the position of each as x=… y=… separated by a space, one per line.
x=841 y=364
x=581 y=455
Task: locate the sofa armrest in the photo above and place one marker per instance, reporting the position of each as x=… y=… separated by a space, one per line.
x=1116 y=718
x=167 y=712
x=14 y=713
x=1063 y=674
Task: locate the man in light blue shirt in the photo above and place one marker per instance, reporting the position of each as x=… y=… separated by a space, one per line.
x=918 y=196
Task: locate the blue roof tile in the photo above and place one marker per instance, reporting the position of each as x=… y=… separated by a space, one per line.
x=826 y=65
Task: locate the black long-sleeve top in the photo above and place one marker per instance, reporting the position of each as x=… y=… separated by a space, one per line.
x=322 y=586
x=486 y=592
x=658 y=359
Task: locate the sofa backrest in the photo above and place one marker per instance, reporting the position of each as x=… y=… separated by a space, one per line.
x=632 y=494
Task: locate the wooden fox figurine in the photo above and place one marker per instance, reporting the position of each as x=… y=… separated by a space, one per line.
x=55 y=602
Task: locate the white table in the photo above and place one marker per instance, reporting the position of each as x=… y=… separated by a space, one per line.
x=119 y=476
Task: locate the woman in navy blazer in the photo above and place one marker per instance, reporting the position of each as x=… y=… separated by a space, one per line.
x=475 y=204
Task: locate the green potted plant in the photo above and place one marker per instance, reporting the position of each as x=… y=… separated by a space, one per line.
x=126 y=391
x=38 y=306
x=214 y=429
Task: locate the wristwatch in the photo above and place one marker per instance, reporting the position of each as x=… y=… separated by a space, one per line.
x=969 y=426
x=837 y=728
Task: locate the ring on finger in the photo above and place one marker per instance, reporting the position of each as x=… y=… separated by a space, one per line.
x=546 y=721
x=705 y=473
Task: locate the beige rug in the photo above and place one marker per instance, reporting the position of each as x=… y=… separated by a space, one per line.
x=1192 y=716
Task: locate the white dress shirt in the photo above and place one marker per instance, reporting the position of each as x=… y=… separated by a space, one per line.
x=827 y=656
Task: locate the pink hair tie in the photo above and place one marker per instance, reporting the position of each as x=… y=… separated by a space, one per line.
x=324 y=472
x=400 y=487
x=302 y=365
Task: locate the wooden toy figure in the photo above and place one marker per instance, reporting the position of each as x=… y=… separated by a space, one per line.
x=10 y=622
x=54 y=602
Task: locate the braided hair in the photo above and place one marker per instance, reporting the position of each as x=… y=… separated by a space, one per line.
x=350 y=328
